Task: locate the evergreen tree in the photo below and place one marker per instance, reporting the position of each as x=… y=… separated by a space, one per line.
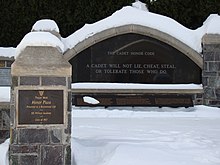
x=18 y=16
x=190 y=13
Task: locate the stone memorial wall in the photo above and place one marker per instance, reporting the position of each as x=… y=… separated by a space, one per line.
x=41 y=94
x=134 y=58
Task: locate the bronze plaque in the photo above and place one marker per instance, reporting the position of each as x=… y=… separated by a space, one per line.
x=36 y=107
x=159 y=100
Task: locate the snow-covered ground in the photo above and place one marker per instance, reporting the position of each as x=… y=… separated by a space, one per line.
x=144 y=135
x=4 y=152
x=141 y=136
x=5 y=94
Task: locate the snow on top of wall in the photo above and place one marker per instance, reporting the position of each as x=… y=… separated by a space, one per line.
x=133 y=15
x=45 y=25
x=137 y=14
x=39 y=39
x=212 y=24
x=140 y=5
x=133 y=86
x=7 y=52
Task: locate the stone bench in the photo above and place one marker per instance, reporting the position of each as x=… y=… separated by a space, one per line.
x=116 y=94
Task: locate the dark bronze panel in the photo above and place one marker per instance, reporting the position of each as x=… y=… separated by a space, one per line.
x=160 y=100
x=40 y=107
x=5 y=76
x=134 y=58
x=54 y=81
x=29 y=80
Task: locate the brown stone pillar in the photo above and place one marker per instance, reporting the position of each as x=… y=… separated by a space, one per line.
x=40 y=108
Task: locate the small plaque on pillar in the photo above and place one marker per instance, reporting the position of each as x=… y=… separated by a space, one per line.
x=40 y=107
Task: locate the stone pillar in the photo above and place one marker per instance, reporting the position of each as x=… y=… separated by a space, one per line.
x=4 y=121
x=211 y=70
x=40 y=108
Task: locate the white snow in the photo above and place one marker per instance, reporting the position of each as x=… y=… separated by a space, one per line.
x=143 y=135
x=39 y=39
x=154 y=136
x=90 y=100
x=140 y=5
x=45 y=25
x=4 y=153
x=133 y=15
x=7 y=52
x=137 y=14
x=212 y=24
x=5 y=94
x=134 y=86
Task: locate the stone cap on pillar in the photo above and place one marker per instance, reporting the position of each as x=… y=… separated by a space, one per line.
x=211 y=39
x=41 y=61
x=40 y=53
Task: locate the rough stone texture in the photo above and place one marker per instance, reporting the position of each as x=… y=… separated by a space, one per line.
x=68 y=130
x=40 y=68
x=4 y=134
x=24 y=148
x=70 y=100
x=4 y=122
x=52 y=155
x=14 y=136
x=214 y=103
x=210 y=40
x=198 y=99
x=14 y=81
x=4 y=119
x=69 y=81
x=54 y=81
x=211 y=70
x=44 y=61
x=56 y=136
x=14 y=159
x=28 y=136
x=5 y=76
x=5 y=71
x=12 y=110
x=68 y=156
x=29 y=160
x=29 y=80
x=217 y=92
x=206 y=73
